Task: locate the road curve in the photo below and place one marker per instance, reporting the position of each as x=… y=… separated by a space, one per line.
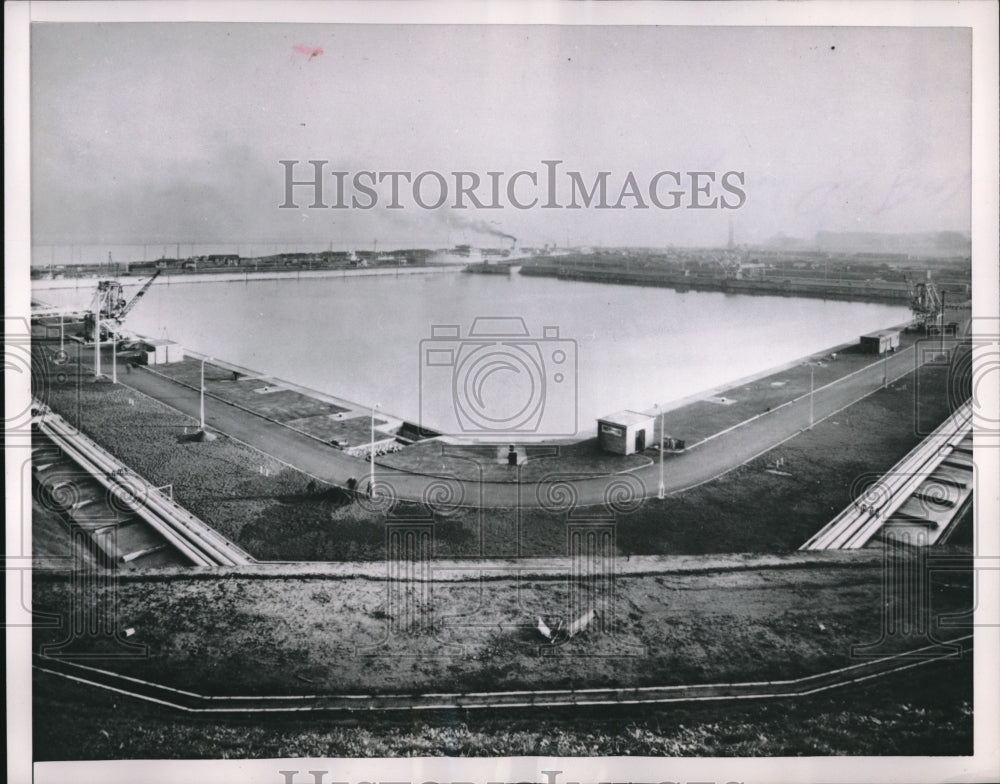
x=620 y=492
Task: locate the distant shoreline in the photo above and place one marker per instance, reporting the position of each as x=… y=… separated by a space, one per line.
x=178 y=278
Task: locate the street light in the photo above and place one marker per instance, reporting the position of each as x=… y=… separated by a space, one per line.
x=202 y=399
x=114 y=358
x=661 y=490
x=812 y=387
x=97 y=337
x=942 y=322
x=371 y=468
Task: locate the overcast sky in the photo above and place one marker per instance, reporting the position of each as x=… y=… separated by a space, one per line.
x=172 y=133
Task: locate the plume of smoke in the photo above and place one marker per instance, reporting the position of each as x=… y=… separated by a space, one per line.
x=458 y=221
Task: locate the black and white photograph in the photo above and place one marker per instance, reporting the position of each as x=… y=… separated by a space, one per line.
x=560 y=393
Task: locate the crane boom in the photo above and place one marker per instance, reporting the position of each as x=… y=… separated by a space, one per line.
x=139 y=294
x=109 y=307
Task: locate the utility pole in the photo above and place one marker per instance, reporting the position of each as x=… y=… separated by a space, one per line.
x=942 y=321
x=371 y=474
x=661 y=489
x=202 y=397
x=97 y=336
x=812 y=389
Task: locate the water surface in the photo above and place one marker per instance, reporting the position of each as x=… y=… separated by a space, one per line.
x=361 y=338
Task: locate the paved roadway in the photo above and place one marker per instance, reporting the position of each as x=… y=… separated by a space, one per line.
x=701 y=463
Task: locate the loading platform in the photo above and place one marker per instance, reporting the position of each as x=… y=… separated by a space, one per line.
x=918 y=500
x=132 y=523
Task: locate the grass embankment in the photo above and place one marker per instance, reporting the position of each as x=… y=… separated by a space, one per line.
x=241 y=635
x=271 y=510
x=926 y=711
x=275 y=512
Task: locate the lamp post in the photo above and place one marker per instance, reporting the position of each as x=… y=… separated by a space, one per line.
x=97 y=338
x=202 y=397
x=114 y=358
x=62 y=347
x=942 y=322
x=371 y=468
x=812 y=387
x=661 y=490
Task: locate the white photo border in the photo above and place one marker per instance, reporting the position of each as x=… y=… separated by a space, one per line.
x=982 y=17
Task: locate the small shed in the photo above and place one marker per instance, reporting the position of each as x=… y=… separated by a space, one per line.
x=160 y=351
x=625 y=432
x=880 y=342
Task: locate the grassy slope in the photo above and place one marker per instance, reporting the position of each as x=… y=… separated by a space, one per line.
x=286 y=635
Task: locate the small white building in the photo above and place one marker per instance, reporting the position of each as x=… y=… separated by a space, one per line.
x=160 y=351
x=625 y=432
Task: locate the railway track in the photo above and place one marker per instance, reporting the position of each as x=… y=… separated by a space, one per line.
x=128 y=519
x=918 y=499
x=192 y=702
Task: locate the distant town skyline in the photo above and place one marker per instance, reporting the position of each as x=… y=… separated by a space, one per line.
x=165 y=133
x=945 y=244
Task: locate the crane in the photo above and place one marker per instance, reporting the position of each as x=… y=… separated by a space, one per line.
x=109 y=305
x=138 y=295
x=925 y=303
